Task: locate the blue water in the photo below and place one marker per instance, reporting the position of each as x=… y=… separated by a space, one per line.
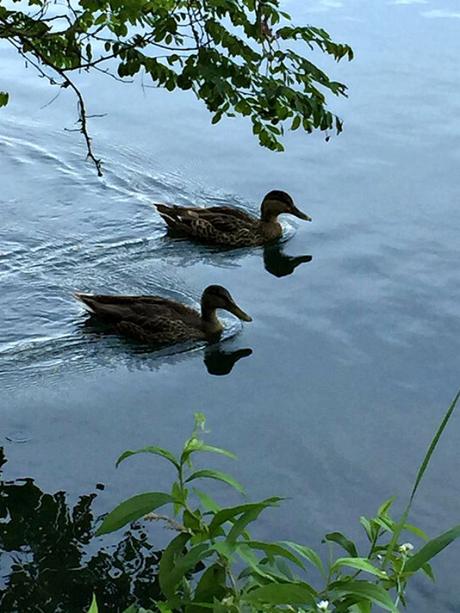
x=355 y=355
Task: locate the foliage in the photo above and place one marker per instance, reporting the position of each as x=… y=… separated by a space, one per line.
x=240 y=57
x=214 y=563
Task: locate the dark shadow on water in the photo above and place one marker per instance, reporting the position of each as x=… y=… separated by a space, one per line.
x=217 y=359
x=279 y=264
x=221 y=362
x=189 y=252
x=50 y=562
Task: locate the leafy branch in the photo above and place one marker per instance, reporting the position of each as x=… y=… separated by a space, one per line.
x=239 y=57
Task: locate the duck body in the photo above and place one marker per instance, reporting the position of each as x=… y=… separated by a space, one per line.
x=230 y=226
x=160 y=321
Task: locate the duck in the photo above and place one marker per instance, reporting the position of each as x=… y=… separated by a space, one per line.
x=161 y=321
x=223 y=225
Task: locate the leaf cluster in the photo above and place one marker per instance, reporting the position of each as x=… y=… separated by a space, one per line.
x=239 y=57
x=215 y=564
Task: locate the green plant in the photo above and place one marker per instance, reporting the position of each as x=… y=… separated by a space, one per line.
x=213 y=563
x=240 y=57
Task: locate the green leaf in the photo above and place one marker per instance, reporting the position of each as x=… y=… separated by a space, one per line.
x=218 y=476
x=343 y=541
x=283 y=594
x=417 y=531
x=360 y=564
x=132 y=509
x=155 y=450
x=431 y=549
x=168 y=563
x=426 y=568
x=231 y=512
x=251 y=560
x=296 y=122
x=4 y=97
x=361 y=607
x=212 y=584
x=363 y=589
x=383 y=508
x=432 y=447
x=182 y=565
x=192 y=521
x=368 y=527
x=272 y=550
x=307 y=553
x=194 y=445
x=421 y=471
x=208 y=503
x=93 y=608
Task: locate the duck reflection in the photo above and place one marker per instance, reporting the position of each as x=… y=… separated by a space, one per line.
x=217 y=359
x=279 y=264
x=276 y=261
x=220 y=362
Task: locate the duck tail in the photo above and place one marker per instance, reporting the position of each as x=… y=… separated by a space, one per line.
x=86 y=299
x=170 y=214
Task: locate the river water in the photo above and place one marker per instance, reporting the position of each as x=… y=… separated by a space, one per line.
x=340 y=381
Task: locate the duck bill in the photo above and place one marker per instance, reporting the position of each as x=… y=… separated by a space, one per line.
x=235 y=309
x=298 y=213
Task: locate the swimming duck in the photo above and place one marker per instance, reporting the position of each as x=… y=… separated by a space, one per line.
x=157 y=320
x=230 y=226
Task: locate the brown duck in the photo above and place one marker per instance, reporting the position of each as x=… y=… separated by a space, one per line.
x=157 y=320
x=221 y=225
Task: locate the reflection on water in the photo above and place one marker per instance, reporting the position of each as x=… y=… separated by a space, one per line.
x=219 y=361
x=187 y=252
x=279 y=264
x=91 y=346
x=49 y=562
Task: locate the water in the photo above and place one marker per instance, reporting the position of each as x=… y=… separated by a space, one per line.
x=351 y=359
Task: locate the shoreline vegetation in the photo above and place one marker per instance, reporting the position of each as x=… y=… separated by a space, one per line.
x=211 y=562
x=214 y=564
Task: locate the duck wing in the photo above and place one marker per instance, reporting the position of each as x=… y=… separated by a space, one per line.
x=133 y=308
x=213 y=224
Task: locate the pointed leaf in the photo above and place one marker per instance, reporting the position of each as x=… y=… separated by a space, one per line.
x=182 y=565
x=132 y=509
x=207 y=502
x=307 y=553
x=212 y=584
x=338 y=537
x=151 y=449
x=383 y=508
x=218 y=476
x=283 y=594
x=420 y=533
x=195 y=445
x=363 y=589
x=360 y=564
x=275 y=550
x=93 y=608
x=168 y=561
x=229 y=513
x=431 y=549
x=421 y=471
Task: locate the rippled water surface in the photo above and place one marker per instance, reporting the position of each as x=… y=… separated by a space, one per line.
x=332 y=394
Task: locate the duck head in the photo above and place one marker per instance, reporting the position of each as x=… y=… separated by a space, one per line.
x=217 y=297
x=277 y=202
